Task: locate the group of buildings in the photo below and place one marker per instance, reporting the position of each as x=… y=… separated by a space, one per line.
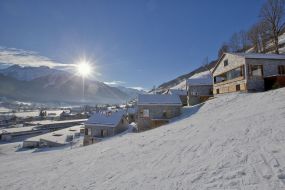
x=234 y=72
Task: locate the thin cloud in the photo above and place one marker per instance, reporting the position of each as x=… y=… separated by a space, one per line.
x=115 y=83
x=138 y=88
x=13 y=56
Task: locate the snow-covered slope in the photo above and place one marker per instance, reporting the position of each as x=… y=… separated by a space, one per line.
x=131 y=92
x=201 y=78
x=235 y=141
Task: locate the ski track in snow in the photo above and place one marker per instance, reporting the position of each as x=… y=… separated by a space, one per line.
x=235 y=141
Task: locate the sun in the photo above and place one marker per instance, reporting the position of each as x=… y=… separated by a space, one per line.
x=84 y=69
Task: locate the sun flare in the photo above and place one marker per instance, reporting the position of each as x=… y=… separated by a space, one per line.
x=84 y=69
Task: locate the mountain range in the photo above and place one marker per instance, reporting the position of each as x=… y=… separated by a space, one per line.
x=44 y=84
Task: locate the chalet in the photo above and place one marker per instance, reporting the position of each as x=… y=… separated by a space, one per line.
x=104 y=124
x=179 y=92
x=248 y=72
x=155 y=110
x=199 y=88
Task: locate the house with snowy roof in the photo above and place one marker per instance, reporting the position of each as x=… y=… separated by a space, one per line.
x=104 y=124
x=179 y=92
x=156 y=109
x=248 y=72
x=199 y=87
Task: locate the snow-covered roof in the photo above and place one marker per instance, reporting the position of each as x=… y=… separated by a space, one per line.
x=59 y=136
x=203 y=78
x=52 y=122
x=259 y=55
x=110 y=119
x=158 y=99
x=177 y=92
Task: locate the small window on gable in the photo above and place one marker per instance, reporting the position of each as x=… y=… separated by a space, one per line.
x=226 y=63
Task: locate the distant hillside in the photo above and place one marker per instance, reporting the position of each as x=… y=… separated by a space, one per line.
x=179 y=79
x=131 y=92
x=59 y=89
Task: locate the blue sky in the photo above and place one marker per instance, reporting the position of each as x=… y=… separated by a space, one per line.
x=138 y=42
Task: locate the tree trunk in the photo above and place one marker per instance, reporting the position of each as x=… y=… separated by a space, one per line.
x=276 y=45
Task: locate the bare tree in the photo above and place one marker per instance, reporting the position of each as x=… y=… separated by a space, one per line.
x=234 y=43
x=272 y=13
x=244 y=40
x=264 y=36
x=223 y=49
x=254 y=37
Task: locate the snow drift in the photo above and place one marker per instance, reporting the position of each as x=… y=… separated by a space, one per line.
x=235 y=141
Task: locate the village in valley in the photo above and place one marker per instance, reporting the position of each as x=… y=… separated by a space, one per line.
x=198 y=131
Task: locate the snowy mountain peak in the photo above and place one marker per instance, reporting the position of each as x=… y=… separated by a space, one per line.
x=28 y=73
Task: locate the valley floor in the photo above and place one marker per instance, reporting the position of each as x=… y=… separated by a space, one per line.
x=235 y=141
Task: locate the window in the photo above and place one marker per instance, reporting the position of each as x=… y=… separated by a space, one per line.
x=232 y=74
x=281 y=69
x=226 y=63
x=238 y=87
x=218 y=91
x=86 y=131
x=255 y=70
x=145 y=113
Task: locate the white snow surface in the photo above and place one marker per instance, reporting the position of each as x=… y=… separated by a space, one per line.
x=59 y=136
x=234 y=141
x=203 y=78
